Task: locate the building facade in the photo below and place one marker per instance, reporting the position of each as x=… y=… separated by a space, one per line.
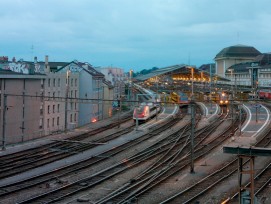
x=21 y=107
x=91 y=91
x=117 y=77
x=234 y=55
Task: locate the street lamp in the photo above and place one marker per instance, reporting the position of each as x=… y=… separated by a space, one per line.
x=192 y=81
x=231 y=99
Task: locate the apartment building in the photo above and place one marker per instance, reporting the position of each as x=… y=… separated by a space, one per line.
x=21 y=106
x=117 y=77
x=91 y=91
x=60 y=106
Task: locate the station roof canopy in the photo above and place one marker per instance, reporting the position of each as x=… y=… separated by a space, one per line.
x=176 y=69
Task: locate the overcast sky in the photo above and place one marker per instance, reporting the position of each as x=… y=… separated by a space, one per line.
x=132 y=34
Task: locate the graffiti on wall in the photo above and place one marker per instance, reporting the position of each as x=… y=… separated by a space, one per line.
x=23 y=68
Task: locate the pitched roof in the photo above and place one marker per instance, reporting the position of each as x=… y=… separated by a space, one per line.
x=238 y=51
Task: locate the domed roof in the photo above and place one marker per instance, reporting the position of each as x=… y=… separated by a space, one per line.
x=238 y=51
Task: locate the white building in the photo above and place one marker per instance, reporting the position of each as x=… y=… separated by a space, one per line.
x=117 y=77
x=91 y=91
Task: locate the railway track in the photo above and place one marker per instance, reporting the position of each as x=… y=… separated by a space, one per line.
x=12 y=189
x=19 y=162
x=201 y=188
x=262 y=178
x=155 y=176
x=61 y=194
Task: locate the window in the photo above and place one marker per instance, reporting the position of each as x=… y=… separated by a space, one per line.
x=42 y=85
x=75 y=93
x=57 y=121
x=53 y=122
x=71 y=82
x=48 y=109
x=75 y=81
x=58 y=107
x=54 y=82
x=41 y=121
x=49 y=82
x=48 y=123
x=53 y=108
x=71 y=93
x=71 y=118
x=53 y=94
x=58 y=82
x=75 y=117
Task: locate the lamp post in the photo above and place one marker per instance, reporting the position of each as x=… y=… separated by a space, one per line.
x=192 y=122
x=192 y=88
x=130 y=85
x=231 y=98
x=211 y=86
x=4 y=123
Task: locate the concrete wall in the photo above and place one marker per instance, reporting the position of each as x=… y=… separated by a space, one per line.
x=23 y=114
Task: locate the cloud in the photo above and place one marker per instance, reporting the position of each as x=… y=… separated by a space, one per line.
x=132 y=33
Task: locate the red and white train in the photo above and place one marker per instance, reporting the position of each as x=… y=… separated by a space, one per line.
x=145 y=112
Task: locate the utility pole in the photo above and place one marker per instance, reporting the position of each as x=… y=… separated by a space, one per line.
x=192 y=134
x=156 y=97
x=211 y=86
x=4 y=123
x=192 y=124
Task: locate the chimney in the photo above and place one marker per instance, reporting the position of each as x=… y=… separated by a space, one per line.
x=13 y=59
x=46 y=60
x=46 y=64
x=35 y=60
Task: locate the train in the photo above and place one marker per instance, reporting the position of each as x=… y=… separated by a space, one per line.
x=179 y=98
x=264 y=94
x=222 y=98
x=145 y=112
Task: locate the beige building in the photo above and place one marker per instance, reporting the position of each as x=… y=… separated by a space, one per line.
x=60 y=111
x=108 y=94
x=234 y=55
x=21 y=107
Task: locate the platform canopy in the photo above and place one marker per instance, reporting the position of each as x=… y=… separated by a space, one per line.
x=179 y=70
x=248 y=151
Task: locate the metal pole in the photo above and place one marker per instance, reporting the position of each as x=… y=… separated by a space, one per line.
x=136 y=114
x=156 y=98
x=232 y=101
x=252 y=179
x=4 y=123
x=192 y=82
x=240 y=170
x=211 y=86
x=192 y=135
x=240 y=118
x=256 y=113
